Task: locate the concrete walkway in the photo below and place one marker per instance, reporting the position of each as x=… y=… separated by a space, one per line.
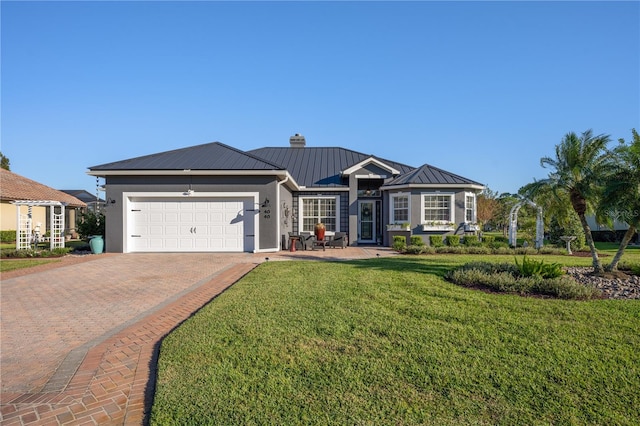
x=79 y=343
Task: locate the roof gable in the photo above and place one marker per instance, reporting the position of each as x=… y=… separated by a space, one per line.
x=211 y=156
x=322 y=166
x=429 y=175
x=15 y=187
x=371 y=160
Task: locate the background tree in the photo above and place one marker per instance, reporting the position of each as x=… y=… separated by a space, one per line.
x=579 y=169
x=621 y=195
x=559 y=217
x=4 y=162
x=487 y=206
x=90 y=223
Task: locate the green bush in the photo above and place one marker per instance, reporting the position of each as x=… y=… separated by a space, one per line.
x=90 y=223
x=530 y=267
x=7 y=236
x=452 y=250
x=435 y=240
x=471 y=240
x=23 y=254
x=416 y=240
x=489 y=239
x=506 y=277
x=478 y=250
x=399 y=243
x=453 y=240
x=414 y=249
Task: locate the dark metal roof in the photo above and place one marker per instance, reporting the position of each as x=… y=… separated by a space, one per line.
x=429 y=175
x=319 y=166
x=83 y=195
x=210 y=156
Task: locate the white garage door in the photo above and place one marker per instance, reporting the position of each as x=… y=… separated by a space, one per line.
x=196 y=225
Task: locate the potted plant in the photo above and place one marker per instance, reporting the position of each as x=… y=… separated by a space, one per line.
x=319 y=231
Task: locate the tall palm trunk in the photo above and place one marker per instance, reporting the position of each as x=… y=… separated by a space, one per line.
x=597 y=265
x=579 y=204
x=613 y=266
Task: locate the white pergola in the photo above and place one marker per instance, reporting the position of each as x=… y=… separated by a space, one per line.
x=25 y=238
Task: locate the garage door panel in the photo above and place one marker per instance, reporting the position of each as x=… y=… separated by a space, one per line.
x=192 y=225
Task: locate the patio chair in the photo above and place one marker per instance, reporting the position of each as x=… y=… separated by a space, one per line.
x=340 y=239
x=307 y=239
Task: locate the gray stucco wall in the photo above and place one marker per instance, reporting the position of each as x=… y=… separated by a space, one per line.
x=266 y=186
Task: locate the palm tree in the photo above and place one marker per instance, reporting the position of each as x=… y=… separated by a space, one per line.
x=621 y=195
x=579 y=169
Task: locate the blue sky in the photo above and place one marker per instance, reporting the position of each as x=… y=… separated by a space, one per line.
x=481 y=89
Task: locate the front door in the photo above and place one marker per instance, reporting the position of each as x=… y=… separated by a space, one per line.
x=366 y=222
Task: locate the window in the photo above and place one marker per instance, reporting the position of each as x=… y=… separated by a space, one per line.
x=470 y=207
x=437 y=207
x=320 y=209
x=399 y=208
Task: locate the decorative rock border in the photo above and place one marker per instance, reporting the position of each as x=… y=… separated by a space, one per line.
x=612 y=288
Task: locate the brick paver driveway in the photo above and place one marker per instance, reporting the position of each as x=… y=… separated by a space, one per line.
x=78 y=343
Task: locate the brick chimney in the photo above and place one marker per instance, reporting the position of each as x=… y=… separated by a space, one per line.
x=297 y=141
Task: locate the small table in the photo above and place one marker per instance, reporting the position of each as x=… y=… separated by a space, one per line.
x=322 y=243
x=292 y=242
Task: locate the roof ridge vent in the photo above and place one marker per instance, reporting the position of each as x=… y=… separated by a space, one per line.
x=297 y=141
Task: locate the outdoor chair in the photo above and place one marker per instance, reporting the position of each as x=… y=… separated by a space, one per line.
x=307 y=239
x=340 y=239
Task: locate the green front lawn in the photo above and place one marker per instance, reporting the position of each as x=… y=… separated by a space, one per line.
x=12 y=264
x=389 y=341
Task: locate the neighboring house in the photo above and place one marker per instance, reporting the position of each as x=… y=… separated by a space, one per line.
x=41 y=198
x=214 y=197
x=93 y=202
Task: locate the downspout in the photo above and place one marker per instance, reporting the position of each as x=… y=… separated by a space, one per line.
x=286 y=179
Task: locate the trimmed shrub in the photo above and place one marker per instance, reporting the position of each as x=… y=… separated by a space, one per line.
x=416 y=240
x=453 y=240
x=471 y=240
x=489 y=239
x=435 y=240
x=414 y=249
x=7 y=236
x=399 y=243
x=449 y=249
x=478 y=250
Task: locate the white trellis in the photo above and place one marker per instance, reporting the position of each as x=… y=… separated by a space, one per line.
x=25 y=239
x=513 y=224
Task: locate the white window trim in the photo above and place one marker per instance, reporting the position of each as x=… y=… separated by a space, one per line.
x=452 y=205
x=392 y=219
x=307 y=197
x=474 y=213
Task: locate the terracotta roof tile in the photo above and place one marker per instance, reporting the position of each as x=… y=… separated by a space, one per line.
x=15 y=187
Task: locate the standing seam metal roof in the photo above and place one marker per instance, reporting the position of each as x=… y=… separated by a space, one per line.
x=211 y=156
x=429 y=175
x=319 y=166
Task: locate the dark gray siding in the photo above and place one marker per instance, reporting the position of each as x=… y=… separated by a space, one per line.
x=116 y=186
